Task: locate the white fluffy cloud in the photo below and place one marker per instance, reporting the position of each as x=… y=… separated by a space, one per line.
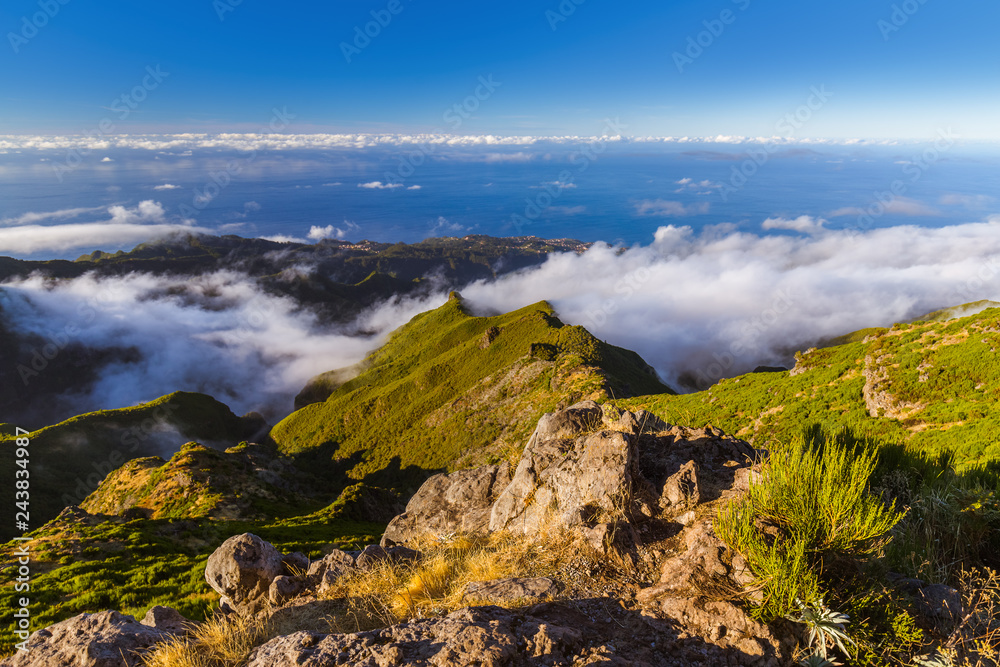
x=712 y=305
x=216 y=334
x=317 y=233
x=166 y=186
x=268 y=141
x=379 y=185
x=804 y=223
x=125 y=227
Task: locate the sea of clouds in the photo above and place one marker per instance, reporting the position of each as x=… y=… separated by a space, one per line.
x=697 y=306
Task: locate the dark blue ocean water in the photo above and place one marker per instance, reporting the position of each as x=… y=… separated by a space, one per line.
x=621 y=193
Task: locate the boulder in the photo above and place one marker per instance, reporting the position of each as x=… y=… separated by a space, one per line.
x=166 y=619
x=105 y=639
x=242 y=569
x=336 y=562
x=283 y=589
x=446 y=504
x=681 y=488
x=570 y=475
x=295 y=563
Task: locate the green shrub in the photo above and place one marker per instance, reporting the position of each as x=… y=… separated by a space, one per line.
x=810 y=509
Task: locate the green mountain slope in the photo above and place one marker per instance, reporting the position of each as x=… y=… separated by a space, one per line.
x=449 y=389
x=67 y=461
x=931 y=385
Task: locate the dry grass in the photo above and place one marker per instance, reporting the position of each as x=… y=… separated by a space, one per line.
x=218 y=642
x=977 y=637
x=390 y=593
x=386 y=594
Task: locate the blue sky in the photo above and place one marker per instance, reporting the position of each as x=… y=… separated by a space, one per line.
x=928 y=65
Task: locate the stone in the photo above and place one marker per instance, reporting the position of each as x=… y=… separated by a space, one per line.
x=447 y=504
x=105 y=639
x=569 y=475
x=283 y=589
x=523 y=590
x=484 y=636
x=166 y=619
x=681 y=488
x=295 y=563
x=242 y=570
x=336 y=562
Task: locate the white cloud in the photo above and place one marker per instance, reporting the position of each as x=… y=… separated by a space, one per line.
x=33 y=217
x=147 y=211
x=251 y=207
x=166 y=186
x=378 y=185
x=714 y=305
x=317 y=233
x=443 y=225
x=30 y=239
x=665 y=208
x=181 y=143
x=107 y=159
x=414 y=187
x=703 y=187
x=804 y=223
x=218 y=334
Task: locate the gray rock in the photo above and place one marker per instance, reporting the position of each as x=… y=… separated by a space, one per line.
x=570 y=475
x=283 y=589
x=445 y=504
x=295 y=563
x=681 y=488
x=938 y=602
x=484 y=636
x=525 y=590
x=105 y=639
x=336 y=562
x=166 y=619
x=370 y=556
x=242 y=570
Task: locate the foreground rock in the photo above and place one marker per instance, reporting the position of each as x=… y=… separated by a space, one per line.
x=457 y=503
x=106 y=639
x=242 y=569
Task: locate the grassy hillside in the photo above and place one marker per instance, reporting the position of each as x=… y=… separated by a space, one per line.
x=449 y=389
x=67 y=461
x=933 y=386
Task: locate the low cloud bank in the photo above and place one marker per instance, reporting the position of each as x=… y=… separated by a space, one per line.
x=703 y=307
x=217 y=334
x=697 y=306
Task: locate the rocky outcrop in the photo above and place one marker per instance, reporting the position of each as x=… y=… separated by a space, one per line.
x=241 y=571
x=455 y=503
x=573 y=473
x=106 y=639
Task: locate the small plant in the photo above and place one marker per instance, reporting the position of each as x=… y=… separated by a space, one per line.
x=810 y=510
x=826 y=627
